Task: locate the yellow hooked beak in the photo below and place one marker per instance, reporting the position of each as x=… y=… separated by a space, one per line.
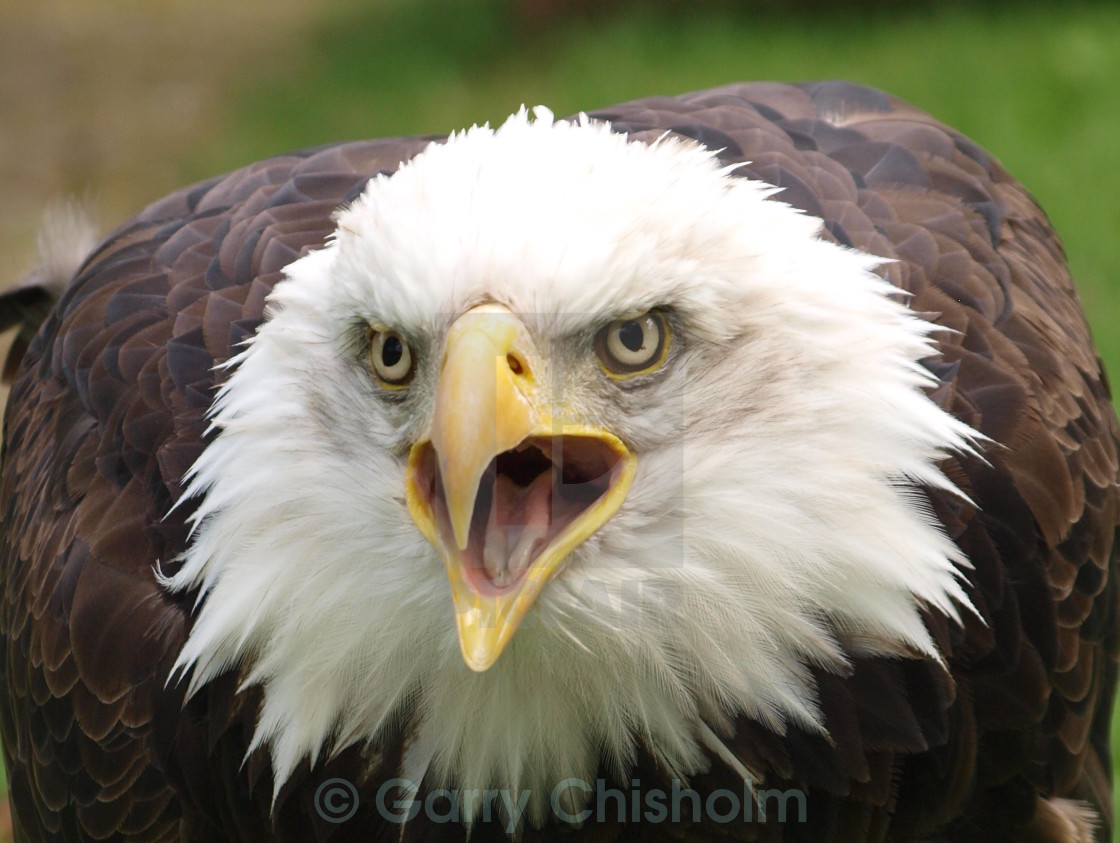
x=502 y=488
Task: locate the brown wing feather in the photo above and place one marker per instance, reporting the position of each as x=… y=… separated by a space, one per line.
x=108 y=415
x=101 y=426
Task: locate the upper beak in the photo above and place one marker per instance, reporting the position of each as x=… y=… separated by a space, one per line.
x=501 y=487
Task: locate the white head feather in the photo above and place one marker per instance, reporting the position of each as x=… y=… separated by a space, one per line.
x=772 y=524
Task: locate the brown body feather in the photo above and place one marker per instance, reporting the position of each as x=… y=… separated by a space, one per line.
x=108 y=413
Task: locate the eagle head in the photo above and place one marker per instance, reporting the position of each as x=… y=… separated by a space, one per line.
x=565 y=447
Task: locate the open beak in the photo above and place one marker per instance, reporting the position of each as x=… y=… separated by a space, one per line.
x=504 y=490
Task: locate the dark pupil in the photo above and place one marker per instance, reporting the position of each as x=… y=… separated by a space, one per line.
x=631 y=335
x=392 y=350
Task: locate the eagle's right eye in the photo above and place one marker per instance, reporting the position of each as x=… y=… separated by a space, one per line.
x=633 y=346
x=390 y=357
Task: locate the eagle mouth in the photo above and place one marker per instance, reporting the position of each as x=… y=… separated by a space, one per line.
x=504 y=489
x=528 y=498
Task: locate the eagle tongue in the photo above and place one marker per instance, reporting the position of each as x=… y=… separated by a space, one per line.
x=516 y=527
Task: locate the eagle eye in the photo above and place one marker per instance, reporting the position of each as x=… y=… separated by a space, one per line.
x=390 y=357
x=633 y=346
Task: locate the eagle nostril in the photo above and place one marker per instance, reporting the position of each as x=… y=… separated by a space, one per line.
x=515 y=364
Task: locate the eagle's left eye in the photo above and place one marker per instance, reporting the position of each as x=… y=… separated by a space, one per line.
x=390 y=357
x=634 y=346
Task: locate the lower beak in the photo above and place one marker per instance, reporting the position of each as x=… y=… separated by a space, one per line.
x=501 y=488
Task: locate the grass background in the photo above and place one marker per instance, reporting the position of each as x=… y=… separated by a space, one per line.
x=120 y=102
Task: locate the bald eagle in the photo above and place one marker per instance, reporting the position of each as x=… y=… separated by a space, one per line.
x=731 y=466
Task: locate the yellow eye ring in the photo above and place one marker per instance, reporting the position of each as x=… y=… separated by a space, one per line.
x=390 y=358
x=633 y=346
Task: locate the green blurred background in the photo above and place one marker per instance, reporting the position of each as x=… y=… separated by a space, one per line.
x=120 y=101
